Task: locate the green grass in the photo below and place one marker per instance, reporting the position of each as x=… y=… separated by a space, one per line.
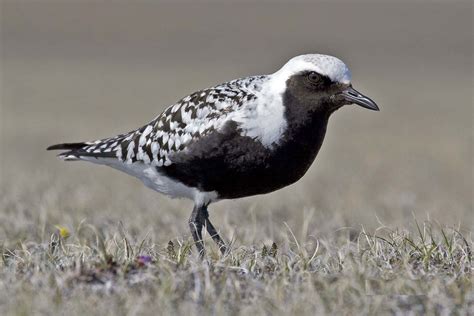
x=110 y=271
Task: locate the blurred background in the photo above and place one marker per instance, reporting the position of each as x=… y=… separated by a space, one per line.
x=82 y=70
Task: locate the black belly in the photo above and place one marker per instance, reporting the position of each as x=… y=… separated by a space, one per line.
x=238 y=166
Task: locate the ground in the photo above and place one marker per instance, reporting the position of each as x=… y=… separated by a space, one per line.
x=57 y=261
x=390 y=271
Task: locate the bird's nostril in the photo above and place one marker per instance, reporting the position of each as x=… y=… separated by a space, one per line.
x=353 y=94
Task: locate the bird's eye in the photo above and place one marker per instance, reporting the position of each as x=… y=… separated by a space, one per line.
x=314 y=77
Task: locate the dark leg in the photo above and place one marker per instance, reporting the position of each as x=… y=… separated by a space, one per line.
x=198 y=218
x=196 y=222
x=215 y=236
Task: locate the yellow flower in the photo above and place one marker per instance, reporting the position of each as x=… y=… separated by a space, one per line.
x=63 y=231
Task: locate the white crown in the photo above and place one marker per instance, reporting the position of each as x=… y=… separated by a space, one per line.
x=326 y=65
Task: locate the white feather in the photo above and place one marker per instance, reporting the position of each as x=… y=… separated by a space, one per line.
x=157 y=181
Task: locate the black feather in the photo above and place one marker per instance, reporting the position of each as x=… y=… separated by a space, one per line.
x=67 y=146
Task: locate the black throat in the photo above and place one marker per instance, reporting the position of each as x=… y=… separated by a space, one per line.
x=307 y=122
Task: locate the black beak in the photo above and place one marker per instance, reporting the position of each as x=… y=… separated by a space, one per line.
x=353 y=96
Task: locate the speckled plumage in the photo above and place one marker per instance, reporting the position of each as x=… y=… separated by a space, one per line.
x=191 y=118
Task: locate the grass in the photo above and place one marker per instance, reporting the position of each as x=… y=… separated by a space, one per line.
x=111 y=271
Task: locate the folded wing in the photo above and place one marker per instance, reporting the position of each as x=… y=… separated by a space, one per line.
x=190 y=119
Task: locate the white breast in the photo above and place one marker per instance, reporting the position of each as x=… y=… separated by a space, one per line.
x=264 y=118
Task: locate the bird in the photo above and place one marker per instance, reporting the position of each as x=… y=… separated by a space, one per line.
x=244 y=137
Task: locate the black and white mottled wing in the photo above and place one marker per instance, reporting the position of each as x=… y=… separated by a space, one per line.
x=190 y=119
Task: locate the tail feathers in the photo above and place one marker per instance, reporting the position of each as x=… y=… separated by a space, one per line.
x=72 y=150
x=80 y=151
x=67 y=146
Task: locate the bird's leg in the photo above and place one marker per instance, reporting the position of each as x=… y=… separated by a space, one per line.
x=199 y=217
x=214 y=234
x=196 y=222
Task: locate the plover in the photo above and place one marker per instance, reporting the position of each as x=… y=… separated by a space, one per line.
x=244 y=137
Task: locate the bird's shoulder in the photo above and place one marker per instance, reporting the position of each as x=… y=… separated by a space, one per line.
x=190 y=119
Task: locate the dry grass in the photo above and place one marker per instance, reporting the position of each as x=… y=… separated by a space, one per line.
x=115 y=268
x=115 y=274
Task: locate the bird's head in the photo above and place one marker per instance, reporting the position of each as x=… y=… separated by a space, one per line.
x=320 y=80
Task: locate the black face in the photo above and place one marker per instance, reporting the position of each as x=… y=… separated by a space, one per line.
x=320 y=93
x=316 y=91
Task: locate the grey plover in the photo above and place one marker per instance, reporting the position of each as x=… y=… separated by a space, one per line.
x=244 y=137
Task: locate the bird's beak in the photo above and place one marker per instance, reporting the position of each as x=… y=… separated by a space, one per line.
x=353 y=96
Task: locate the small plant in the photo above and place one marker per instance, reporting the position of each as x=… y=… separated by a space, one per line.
x=432 y=264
